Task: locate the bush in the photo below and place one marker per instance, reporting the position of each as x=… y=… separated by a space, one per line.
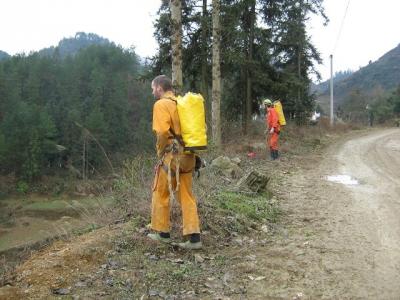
x=22 y=187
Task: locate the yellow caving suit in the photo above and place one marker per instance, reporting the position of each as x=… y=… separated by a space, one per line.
x=165 y=117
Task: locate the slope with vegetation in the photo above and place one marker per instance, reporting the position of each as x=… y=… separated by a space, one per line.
x=383 y=73
x=3 y=55
x=68 y=112
x=71 y=46
x=324 y=87
x=375 y=85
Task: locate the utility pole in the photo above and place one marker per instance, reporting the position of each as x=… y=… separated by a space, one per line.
x=331 y=112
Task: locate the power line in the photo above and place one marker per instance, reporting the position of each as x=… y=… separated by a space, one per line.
x=341 y=26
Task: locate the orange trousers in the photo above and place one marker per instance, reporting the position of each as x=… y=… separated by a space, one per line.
x=160 y=212
x=272 y=141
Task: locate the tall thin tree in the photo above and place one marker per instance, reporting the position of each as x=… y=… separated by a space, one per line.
x=176 y=44
x=250 y=52
x=204 y=85
x=216 y=75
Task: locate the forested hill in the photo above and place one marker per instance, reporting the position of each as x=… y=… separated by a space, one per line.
x=383 y=73
x=54 y=113
x=3 y=55
x=323 y=87
x=71 y=46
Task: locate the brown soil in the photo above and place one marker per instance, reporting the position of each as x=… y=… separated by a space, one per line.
x=59 y=265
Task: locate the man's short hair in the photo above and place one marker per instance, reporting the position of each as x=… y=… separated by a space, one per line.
x=164 y=82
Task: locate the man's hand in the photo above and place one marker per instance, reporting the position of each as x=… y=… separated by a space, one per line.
x=272 y=130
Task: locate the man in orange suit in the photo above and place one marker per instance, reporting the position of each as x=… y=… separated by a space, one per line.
x=166 y=126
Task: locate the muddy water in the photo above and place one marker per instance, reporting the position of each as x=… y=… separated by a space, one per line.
x=26 y=221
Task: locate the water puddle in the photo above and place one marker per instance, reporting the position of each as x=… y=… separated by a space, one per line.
x=343 y=179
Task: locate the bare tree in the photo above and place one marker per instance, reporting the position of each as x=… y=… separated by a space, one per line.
x=204 y=86
x=250 y=50
x=216 y=75
x=176 y=43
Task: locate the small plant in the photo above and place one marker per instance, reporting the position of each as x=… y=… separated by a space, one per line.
x=22 y=187
x=221 y=260
x=251 y=207
x=184 y=271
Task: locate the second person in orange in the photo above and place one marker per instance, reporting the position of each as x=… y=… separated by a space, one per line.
x=273 y=129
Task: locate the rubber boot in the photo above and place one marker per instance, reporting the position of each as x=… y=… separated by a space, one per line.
x=276 y=154
x=271 y=152
x=163 y=237
x=193 y=244
x=188 y=245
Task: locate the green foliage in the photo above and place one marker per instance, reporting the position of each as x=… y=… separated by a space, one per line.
x=394 y=100
x=282 y=61
x=43 y=98
x=2 y=149
x=386 y=107
x=252 y=207
x=377 y=106
x=22 y=187
x=323 y=87
x=72 y=45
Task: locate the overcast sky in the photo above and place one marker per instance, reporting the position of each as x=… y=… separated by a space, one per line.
x=371 y=28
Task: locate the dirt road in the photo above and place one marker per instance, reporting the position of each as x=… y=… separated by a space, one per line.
x=375 y=161
x=339 y=241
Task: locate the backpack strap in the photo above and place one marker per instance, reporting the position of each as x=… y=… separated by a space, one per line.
x=176 y=136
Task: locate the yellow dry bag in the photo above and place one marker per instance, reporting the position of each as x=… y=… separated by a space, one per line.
x=193 y=122
x=279 y=110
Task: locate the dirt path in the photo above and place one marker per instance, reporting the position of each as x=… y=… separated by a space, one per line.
x=339 y=241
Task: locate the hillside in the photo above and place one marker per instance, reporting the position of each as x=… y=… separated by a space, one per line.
x=3 y=55
x=71 y=46
x=383 y=73
x=323 y=87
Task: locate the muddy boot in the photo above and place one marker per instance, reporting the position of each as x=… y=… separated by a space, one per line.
x=272 y=155
x=163 y=237
x=276 y=154
x=193 y=244
x=190 y=246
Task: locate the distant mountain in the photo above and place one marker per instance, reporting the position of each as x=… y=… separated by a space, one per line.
x=323 y=87
x=382 y=74
x=70 y=46
x=4 y=55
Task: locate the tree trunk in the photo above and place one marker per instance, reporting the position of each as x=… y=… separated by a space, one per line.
x=250 y=47
x=176 y=44
x=84 y=159
x=204 y=84
x=216 y=75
